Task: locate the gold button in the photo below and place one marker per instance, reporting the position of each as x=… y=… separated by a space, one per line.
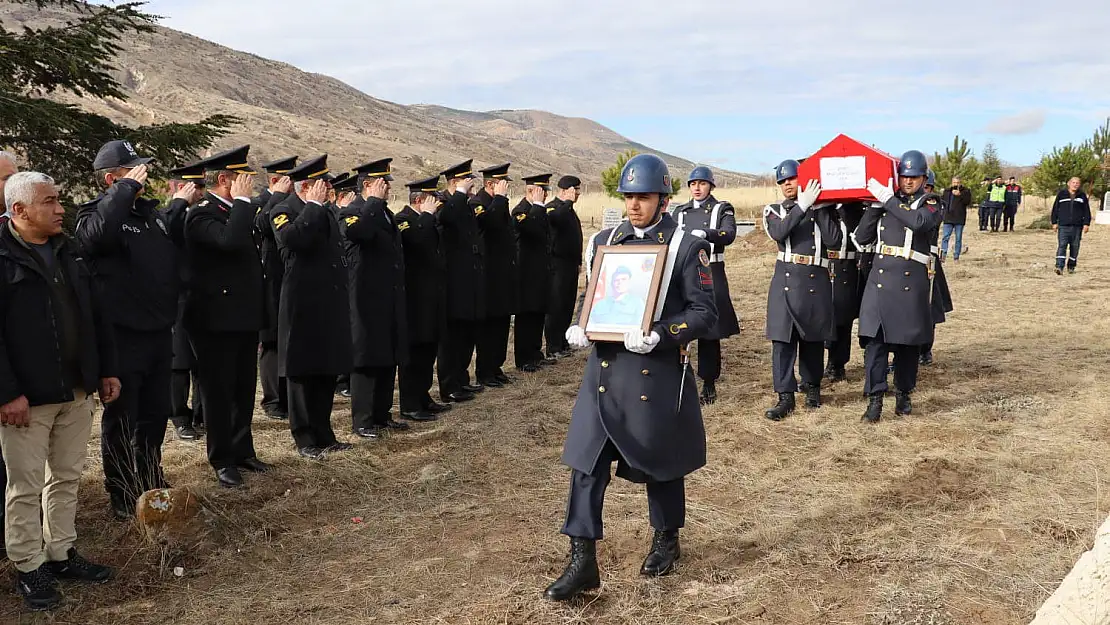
x=601 y=389
x=880 y=286
x=604 y=364
x=645 y=372
x=643 y=397
x=812 y=275
x=907 y=273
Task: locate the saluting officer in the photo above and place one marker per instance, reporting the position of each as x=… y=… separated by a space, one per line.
x=426 y=297
x=533 y=240
x=491 y=210
x=638 y=405
x=466 y=306
x=896 y=311
x=708 y=218
x=799 y=303
x=223 y=311
x=844 y=272
x=566 y=263
x=187 y=185
x=274 y=394
x=314 y=323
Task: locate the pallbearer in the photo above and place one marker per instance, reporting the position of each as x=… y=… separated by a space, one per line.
x=533 y=236
x=274 y=393
x=491 y=210
x=844 y=272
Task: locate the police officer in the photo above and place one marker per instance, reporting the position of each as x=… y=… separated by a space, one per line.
x=715 y=221
x=566 y=263
x=638 y=405
x=127 y=240
x=491 y=210
x=462 y=249
x=533 y=240
x=224 y=311
x=940 y=299
x=799 y=304
x=1012 y=201
x=844 y=271
x=314 y=324
x=896 y=315
x=425 y=293
x=274 y=393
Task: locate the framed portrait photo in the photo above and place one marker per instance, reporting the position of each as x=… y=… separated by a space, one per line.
x=622 y=291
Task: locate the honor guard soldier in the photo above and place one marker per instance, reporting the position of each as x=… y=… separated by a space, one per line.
x=426 y=291
x=224 y=311
x=941 y=298
x=707 y=218
x=379 y=330
x=491 y=210
x=314 y=323
x=799 y=304
x=126 y=239
x=533 y=240
x=846 y=291
x=638 y=404
x=896 y=315
x=274 y=394
x=461 y=242
x=566 y=263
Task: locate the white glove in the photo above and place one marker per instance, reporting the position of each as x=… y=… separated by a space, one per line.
x=640 y=343
x=808 y=196
x=576 y=336
x=698 y=233
x=882 y=192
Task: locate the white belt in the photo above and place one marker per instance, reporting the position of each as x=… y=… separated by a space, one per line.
x=717 y=258
x=837 y=255
x=802 y=259
x=906 y=253
x=934 y=249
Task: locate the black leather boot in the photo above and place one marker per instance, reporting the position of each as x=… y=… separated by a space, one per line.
x=581 y=573
x=663 y=555
x=785 y=406
x=902 y=404
x=926 y=358
x=813 y=397
x=874 y=409
x=834 y=373
x=708 y=392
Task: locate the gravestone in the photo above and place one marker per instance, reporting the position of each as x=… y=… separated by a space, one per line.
x=611 y=218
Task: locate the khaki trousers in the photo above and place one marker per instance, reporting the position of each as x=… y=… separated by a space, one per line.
x=44 y=462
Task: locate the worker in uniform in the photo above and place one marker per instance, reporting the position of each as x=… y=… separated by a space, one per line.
x=896 y=314
x=533 y=240
x=426 y=295
x=638 y=403
x=707 y=218
x=224 y=311
x=274 y=394
x=566 y=264
x=844 y=272
x=996 y=193
x=499 y=270
x=314 y=323
x=461 y=242
x=1012 y=201
x=941 y=299
x=800 y=315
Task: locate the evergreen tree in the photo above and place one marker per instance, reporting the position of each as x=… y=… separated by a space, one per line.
x=1058 y=166
x=611 y=178
x=958 y=161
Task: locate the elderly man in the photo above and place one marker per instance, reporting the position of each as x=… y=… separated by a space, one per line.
x=1071 y=219
x=56 y=349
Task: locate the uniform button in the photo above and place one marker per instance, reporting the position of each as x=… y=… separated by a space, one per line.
x=785 y=288
x=224 y=291
x=643 y=397
x=905 y=288
x=881 y=270
x=907 y=273
x=812 y=275
x=645 y=372
x=604 y=364
x=879 y=285
x=812 y=291
x=880 y=255
x=882 y=227
x=601 y=389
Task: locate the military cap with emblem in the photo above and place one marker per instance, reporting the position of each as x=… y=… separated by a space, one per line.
x=193 y=172
x=234 y=159
x=569 y=182
x=344 y=182
x=462 y=170
x=428 y=185
x=498 y=172
x=118 y=154
x=281 y=166
x=375 y=169
x=312 y=169
x=539 y=180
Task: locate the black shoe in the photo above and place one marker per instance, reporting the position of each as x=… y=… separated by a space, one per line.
x=813 y=397
x=890 y=369
x=785 y=406
x=458 y=397
x=368 y=433
x=312 y=452
x=504 y=379
x=581 y=573
x=663 y=555
x=926 y=359
x=528 y=368
x=390 y=424
x=123 y=507
x=435 y=408
x=563 y=353
x=902 y=404
x=276 y=414
x=418 y=416
x=473 y=388
x=186 y=433
x=834 y=373
x=37 y=589
x=874 y=409
x=708 y=392
x=345 y=393
x=254 y=465
x=339 y=446
x=76 y=568
x=1059 y=271
x=547 y=362
x=491 y=383
x=229 y=477
x=1071 y=270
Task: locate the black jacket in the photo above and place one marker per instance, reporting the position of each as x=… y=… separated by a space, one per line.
x=272 y=266
x=499 y=263
x=957 y=205
x=1069 y=211
x=566 y=233
x=31 y=330
x=533 y=235
x=462 y=248
x=1013 y=195
x=127 y=241
x=425 y=276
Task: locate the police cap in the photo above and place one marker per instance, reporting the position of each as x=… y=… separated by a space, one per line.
x=569 y=182
x=234 y=159
x=312 y=169
x=462 y=170
x=118 y=154
x=375 y=169
x=539 y=180
x=280 y=166
x=497 y=172
x=428 y=185
x=193 y=172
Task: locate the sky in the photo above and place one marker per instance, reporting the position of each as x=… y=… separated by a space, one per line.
x=735 y=84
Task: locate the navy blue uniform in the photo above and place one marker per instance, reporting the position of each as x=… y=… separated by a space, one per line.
x=1070 y=214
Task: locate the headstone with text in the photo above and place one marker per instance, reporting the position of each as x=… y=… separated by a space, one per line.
x=611 y=218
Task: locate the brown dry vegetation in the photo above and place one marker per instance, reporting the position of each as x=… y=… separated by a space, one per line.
x=970 y=511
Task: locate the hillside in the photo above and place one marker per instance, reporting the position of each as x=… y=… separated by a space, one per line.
x=173 y=76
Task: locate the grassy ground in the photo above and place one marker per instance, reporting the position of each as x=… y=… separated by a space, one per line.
x=970 y=511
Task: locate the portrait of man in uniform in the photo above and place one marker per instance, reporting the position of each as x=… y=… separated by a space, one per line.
x=624 y=291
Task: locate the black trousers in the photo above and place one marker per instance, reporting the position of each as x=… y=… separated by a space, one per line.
x=984 y=217
x=564 y=295
x=492 y=347
x=415 y=378
x=996 y=217
x=840 y=350
x=1008 y=217
x=183 y=415
x=133 y=428
x=342 y=383
x=528 y=338
x=709 y=359
x=310 y=402
x=371 y=396
x=227 y=365
x=809 y=355
x=876 y=358
x=275 y=397
x=455 y=351
x=666 y=500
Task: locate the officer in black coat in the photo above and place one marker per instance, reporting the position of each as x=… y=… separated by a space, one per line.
x=638 y=404
x=844 y=271
x=533 y=240
x=426 y=297
x=715 y=221
x=128 y=243
x=896 y=315
x=274 y=394
x=462 y=248
x=799 y=303
x=223 y=311
x=566 y=264
x=941 y=298
x=187 y=185
x=314 y=323
x=499 y=270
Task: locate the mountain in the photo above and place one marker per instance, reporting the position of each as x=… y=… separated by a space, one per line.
x=173 y=76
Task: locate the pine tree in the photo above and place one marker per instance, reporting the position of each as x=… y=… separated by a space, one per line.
x=1100 y=145
x=1062 y=163
x=957 y=161
x=611 y=178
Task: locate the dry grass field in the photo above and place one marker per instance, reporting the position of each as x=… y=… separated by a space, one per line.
x=968 y=512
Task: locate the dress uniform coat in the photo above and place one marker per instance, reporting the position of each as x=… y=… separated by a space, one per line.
x=800 y=297
x=274 y=392
x=566 y=262
x=184 y=361
x=426 y=293
x=466 y=300
x=533 y=234
x=844 y=267
x=647 y=405
x=501 y=289
x=718 y=221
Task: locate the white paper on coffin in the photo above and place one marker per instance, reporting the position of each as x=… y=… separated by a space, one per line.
x=843 y=173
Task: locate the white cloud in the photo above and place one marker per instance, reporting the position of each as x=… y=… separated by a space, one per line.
x=1024 y=123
